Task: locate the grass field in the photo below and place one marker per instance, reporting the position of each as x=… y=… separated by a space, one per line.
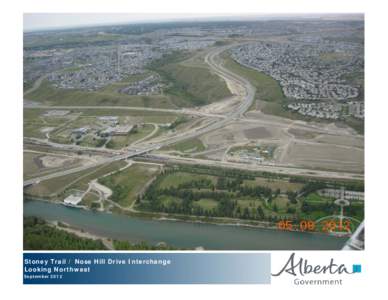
x=61 y=137
x=49 y=188
x=81 y=183
x=192 y=193
x=113 y=87
x=118 y=142
x=33 y=129
x=56 y=187
x=268 y=89
x=35 y=124
x=314 y=197
x=91 y=141
x=188 y=146
x=281 y=203
x=283 y=185
x=29 y=164
x=190 y=85
x=207 y=203
x=197 y=60
x=32 y=167
x=126 y=184
x=89 y=198
x=356 y=124
x=48 y=94
x=177 y=178
x=244 y=203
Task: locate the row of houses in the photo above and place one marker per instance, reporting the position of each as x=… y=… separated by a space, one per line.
x=339 y=193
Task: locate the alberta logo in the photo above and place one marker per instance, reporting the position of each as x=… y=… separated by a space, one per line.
x=301 y=267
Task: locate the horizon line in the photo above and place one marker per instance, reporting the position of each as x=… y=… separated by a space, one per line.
x=199 y=18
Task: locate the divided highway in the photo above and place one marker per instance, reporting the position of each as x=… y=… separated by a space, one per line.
x=218 y=122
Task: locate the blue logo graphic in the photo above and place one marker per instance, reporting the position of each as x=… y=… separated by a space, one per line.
x=356 y=268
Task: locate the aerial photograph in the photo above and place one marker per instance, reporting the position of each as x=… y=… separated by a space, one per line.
x=206 y=133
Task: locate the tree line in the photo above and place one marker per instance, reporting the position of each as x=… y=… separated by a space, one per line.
x=38 y=235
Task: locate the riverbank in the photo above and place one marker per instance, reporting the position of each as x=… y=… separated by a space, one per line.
x=108 y=243
x=221 y=221
x=183 y=235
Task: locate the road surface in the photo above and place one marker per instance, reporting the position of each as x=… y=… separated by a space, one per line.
x=218 y=121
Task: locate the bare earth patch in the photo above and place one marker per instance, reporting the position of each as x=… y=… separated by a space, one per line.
x=257 y=133
x=49 y=161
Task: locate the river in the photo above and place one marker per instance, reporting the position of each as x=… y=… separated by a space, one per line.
x=181 y=234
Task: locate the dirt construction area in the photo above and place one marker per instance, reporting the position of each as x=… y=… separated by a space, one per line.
x=324 y=156
x=297 y=144
x=36 y=163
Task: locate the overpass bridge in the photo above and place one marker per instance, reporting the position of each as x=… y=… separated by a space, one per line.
x=129 y=154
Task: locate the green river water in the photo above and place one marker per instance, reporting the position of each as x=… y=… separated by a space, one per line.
x=181 y=234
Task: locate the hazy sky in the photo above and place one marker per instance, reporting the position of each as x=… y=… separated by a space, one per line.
x=35 y=21
x=53 y=20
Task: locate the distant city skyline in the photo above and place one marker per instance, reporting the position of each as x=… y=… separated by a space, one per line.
x=47 y=21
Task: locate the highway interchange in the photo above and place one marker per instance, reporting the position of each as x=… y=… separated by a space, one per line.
x=216 y=121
